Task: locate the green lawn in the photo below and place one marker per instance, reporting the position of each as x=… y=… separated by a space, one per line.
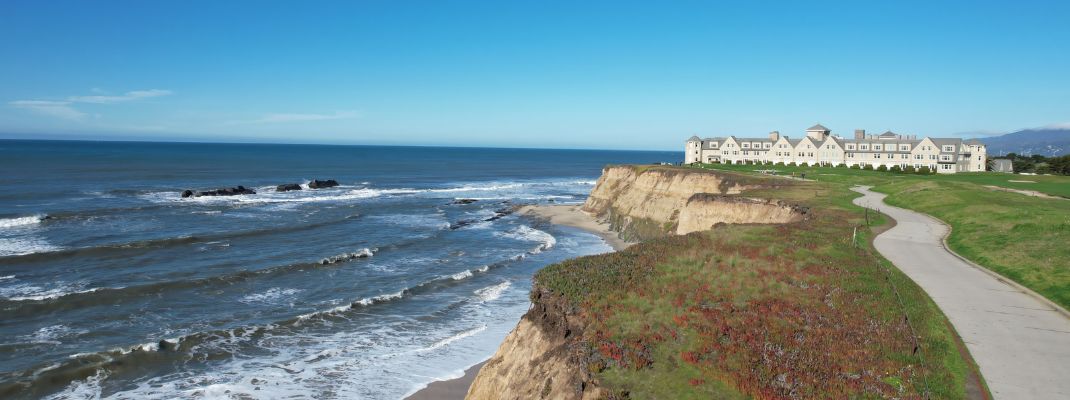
x=1021 y=237
x=744 y=311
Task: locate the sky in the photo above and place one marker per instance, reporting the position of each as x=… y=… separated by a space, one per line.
x=552 y=74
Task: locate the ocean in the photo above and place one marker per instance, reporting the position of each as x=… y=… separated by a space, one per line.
x=114 y=286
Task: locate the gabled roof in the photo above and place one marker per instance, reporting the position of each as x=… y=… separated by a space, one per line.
x=888 y=134
x=818 y=127
x=974 y=142
x=694 y=139
x=945 y=141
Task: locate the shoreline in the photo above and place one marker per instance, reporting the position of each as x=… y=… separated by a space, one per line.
x=573 y=215
x=557 y=214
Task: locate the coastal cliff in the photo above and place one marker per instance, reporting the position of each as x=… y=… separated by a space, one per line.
x=643 y=203
x=769 y=290
x=548 y=355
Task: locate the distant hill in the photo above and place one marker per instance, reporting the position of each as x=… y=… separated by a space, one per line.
x=1046 y=142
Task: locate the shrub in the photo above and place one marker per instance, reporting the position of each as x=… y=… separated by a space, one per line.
x=841 y=165
x=909 y=169
x=868 y=167
x=856 y=166
x=896 y=169
x=924 y=170
x=780 y=163
x=882 y=168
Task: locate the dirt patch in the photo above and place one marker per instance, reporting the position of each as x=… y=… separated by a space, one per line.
x=1032 y=193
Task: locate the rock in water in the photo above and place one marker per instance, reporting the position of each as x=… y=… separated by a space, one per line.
x=288 y=187
x=464 y=201
x=234 y=191
x=318 y=184
x=363 y=253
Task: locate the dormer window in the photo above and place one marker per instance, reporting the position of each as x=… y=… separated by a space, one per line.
x=949 y=148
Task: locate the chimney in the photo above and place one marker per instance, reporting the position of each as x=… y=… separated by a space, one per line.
x=774 y=135
x=860 y=134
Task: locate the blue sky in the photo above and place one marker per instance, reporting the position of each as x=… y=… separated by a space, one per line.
x=569 y=74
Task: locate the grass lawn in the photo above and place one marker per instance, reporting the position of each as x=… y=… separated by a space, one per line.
x=1021 y=237
x=757 y=311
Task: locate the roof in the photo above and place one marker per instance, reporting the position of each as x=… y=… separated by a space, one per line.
x=974 y=142
x=818 y=127
x=694 y=139
x=889 y=134
x=945 y=141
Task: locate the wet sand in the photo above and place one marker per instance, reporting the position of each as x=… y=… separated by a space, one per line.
x=453 y=389
x=572 y=215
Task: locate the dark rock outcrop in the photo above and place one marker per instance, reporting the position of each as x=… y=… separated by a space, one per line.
x=464 y=201
x=318 y=184
x=234 y=191
x=287 y=187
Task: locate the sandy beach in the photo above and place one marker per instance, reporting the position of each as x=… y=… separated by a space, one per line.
x=573 y=215
x=560 y=214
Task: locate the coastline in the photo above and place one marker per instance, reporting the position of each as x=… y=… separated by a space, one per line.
x=573 y=215
x=558 y=214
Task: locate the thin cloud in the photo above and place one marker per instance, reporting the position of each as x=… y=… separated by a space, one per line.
x=63 y=108
x=299 y=117
x=1060 y=125
x=58 y=109
x=128 y=96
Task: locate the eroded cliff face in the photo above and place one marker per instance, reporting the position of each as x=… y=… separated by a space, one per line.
x=540 y=359
x=544 y=358
x=642 y=204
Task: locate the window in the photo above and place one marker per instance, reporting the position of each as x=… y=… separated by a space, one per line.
x=863 y=147
x=767 y=145
x=713 y=144
x=932 y=156
x=949 y=148
x=917 y=157
x=904 y=156
x=904 y=147
x=945 y=157
x=850 y=146
x=877 y=147
x=876 y=155
x=850 y=155
x=746 y=145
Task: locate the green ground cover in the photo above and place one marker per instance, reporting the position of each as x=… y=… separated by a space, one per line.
x=1021 y=237
x=802 y=310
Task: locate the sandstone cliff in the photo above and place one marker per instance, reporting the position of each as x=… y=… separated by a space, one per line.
x=642 y=204
x=543 y=357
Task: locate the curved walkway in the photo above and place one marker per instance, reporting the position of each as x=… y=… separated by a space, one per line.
x=1021 y=344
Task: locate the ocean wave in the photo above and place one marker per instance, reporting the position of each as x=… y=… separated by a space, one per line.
x=31 y=292
x=461 y=275
x=527 y=233
x=492 y=293
x=362 y=253
x=40 y=251
x=461 y=335
x=21 y=221
x=269 y=296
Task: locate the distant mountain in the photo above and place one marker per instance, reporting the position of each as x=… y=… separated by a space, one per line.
x=1046 y=142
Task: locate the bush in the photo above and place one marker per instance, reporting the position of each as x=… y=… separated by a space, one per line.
x=868 y=167
x=841 y=165
x=909 y=169
x=792 y=164
x=882 y=168
x=924 y=170
x=896 y=169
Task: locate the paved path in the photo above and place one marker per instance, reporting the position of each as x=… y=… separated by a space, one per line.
x=1021 y=344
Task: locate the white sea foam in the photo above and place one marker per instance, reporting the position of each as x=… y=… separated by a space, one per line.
x=461 y=275
x=20 y=246
x=380 y=298
x=53 y=334
x=4 y=278
x=445 y=342
x=492 y=293
x=20 y=221
x=30 y=292
x=270 y=296
x=527 y=233
x=90 y=388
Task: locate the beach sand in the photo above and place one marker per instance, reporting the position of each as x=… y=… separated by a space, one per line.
x=573 y=215
x=560 y=214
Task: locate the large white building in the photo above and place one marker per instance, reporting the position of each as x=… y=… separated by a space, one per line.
x=821 y=147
